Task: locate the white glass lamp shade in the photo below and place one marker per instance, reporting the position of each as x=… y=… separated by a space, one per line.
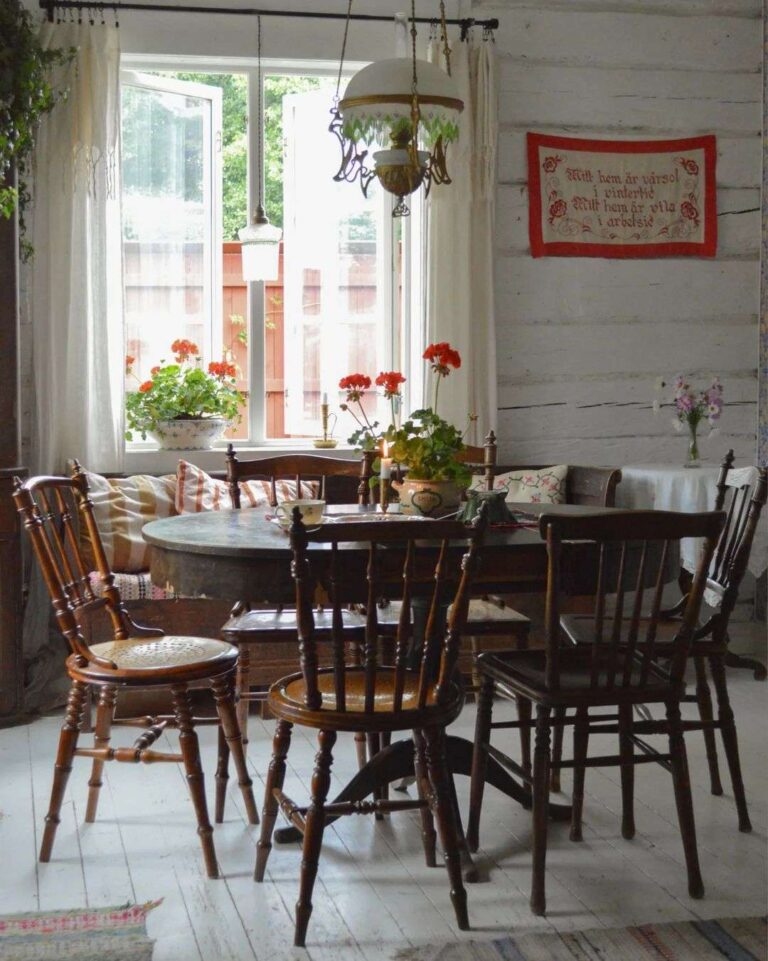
x=377 y=102
x=260 y=250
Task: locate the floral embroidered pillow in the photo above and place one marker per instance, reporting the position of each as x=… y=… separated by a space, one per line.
x=546 y=485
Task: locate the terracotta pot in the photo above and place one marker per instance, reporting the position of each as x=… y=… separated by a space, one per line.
x=427 y=497
x=186 y=434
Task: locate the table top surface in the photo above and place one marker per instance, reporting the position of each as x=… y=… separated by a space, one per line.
x=248 y=532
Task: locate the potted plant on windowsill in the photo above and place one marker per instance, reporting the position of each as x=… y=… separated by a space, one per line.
x=425 y=445
x=182 y=406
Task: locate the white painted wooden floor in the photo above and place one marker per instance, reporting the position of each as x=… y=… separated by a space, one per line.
x=374 y=896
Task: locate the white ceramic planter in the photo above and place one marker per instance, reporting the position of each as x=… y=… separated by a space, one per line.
x=427 y=497
x=189 y=434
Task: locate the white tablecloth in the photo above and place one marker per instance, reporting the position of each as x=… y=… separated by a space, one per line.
x=665 y=487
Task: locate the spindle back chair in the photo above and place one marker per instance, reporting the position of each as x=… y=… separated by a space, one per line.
x=616 y=664
x=247 y=626
x=434 y=563
x=135 y=657
x=304 y=469
x=742 y=493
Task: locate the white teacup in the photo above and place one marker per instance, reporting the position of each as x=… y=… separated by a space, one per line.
x=311 y=512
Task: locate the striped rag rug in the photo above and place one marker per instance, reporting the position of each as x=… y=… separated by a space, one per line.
x=98 y=934
x=734 y=939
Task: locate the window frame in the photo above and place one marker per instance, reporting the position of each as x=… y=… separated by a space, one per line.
x=404 y=348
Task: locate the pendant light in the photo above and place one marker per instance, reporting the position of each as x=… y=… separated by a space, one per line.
x=260 y=239
x=408 y=109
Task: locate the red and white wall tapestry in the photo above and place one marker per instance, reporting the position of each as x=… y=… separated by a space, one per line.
x=621 y=198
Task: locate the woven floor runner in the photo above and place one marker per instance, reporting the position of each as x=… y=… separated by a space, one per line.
x=101 y=934
x=731 y=939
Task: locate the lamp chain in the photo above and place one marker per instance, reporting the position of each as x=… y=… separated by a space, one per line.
x=260 y=116
x=343 y=52
x=444 y=30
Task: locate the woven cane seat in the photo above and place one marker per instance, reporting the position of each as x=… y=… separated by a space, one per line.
x=147 y=656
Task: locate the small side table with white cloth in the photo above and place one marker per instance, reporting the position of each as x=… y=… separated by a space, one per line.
x=666 y=487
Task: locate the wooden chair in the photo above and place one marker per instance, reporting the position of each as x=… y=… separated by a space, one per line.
x=373 y=697
x=486 y=618
x=742 y=494
x=135 y=657
x=246 y=626
x=618 y=667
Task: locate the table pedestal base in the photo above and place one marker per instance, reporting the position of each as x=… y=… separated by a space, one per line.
x=395 y=762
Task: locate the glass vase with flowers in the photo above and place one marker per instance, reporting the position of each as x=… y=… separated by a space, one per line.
x=183 y=406
x=425 y=444
x=693 y=410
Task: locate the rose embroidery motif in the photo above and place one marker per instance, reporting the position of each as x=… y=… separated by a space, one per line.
x=557 y=209
x=689 y=166
x=689 y=211
x=550 y=164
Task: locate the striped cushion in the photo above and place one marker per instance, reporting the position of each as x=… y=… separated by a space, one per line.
x=197 y=491
x=121 y=508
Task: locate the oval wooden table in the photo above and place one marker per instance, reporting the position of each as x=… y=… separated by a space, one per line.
x=237 y=555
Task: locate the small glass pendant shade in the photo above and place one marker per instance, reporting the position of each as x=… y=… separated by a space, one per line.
x=260 y=248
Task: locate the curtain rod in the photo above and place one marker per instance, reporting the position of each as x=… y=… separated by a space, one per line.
x=51 y=5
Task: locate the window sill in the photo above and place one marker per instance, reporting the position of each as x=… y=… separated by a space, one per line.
x=143 y=459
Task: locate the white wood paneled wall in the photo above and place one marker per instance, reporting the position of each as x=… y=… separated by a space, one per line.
x=581 y=341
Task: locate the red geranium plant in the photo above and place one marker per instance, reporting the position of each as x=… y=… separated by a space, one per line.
x=425 y=444
x=182 y=391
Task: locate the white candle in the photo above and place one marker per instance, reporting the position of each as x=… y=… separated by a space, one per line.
x=325 y=397
x=385 y=472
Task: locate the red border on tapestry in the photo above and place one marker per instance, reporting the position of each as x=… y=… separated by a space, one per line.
x=707 y=248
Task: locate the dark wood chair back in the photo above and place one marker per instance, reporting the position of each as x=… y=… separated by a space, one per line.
x=301 y=468
x=482 y=459
x=426 y=559
x=49 y=507
x=639 y=542
x=741 y=493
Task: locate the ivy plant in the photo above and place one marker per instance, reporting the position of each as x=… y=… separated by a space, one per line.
x=26 y=94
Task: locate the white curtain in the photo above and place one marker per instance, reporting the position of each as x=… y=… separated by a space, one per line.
x=460 y=241
x=75 y=282
x=74 y=287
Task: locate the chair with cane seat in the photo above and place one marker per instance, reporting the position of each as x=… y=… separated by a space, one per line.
x=136 y=657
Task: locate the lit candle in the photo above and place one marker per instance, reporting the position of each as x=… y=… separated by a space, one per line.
x=385 y=471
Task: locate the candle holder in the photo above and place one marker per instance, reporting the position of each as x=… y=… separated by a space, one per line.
x=325 y=442
x=384 y=486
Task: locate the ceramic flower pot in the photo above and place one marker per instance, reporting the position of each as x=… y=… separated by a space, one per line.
x=427 y=497
x=184 y=434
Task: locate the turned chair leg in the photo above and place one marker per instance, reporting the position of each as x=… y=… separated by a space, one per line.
x=275 y=777
x=480 y=760
x=190 y=752
x=683 y=800
x=557 y=748
x=704 y=702
x=541 y=762
x=67 y=744
x=524 y=717
x=222 y=775
x=428 y=834
x=229 y=730
x=104 y=714
x=626 y=755
x=580 y=745
x=313 y=833
x=445 y=812
x=730 y=741
x=243 y=689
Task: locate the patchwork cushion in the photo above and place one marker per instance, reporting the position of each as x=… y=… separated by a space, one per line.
x=134 y=587
x=543 y=486
x=197 y=491
x=121 y=508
